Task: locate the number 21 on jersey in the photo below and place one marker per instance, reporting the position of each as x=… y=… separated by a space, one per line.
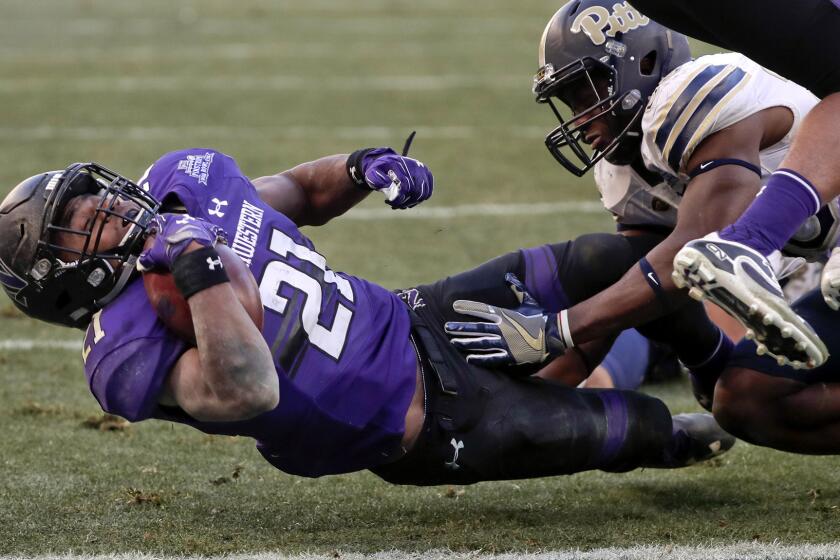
x=329 y=339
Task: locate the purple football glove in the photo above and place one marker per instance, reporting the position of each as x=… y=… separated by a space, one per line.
x=173 y=233
x=405 y=181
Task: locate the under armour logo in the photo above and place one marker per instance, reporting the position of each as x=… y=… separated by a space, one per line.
x=218 y=210
x=213 y=263
x=453 y=464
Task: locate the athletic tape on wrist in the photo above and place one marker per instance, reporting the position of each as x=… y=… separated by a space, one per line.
x=354 y=167
x=197 y=271
x=565 y=331
x=655 y=284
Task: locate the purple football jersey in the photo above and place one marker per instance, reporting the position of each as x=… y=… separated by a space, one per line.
x=340 y=344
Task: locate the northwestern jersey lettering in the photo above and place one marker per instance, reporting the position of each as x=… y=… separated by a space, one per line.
x=340 y=344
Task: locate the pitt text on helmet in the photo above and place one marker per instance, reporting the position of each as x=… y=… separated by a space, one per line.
x=599 y=23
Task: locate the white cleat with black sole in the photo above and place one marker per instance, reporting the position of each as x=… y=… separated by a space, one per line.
x=741 y=281
x=830 y=280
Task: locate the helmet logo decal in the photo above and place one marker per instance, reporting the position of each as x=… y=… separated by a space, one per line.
x=11 y=281
x=54 y=181
x=598 y=23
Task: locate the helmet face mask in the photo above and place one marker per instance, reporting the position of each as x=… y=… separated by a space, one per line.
x=601 y=60
x=587 y=89
x=57 y=270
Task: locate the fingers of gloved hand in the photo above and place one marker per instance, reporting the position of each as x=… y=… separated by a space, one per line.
x=143 y=264
x=485 y=343
x=411 y=184
x=491 y=359
x=156 y=225
x=477 y=309
x=471 y=328
x=147 y=260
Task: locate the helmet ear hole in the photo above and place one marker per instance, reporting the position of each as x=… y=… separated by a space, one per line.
x=648 y=64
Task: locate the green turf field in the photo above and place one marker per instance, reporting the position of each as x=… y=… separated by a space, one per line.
x=273 y=83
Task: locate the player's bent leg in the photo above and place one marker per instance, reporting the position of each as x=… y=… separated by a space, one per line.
x=557 y=275
x=780 y=413
x=534 y=428
x=699 y=344
x=776 y=406
x=742 y=282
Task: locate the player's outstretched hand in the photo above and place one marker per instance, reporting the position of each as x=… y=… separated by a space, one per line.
x=525 y=335
x=172 y=234
x=405 y=181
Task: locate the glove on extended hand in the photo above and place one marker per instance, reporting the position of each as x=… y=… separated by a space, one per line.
x=525 y=335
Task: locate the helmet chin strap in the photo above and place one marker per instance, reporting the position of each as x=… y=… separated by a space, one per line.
x=124 y=276
x=620 y=153
x=128 y=266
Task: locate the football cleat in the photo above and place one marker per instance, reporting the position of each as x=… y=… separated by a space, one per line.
x=743 y=283
x=696 y=437
x=830 y=280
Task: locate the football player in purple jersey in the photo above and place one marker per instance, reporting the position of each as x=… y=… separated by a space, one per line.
x=344 y=375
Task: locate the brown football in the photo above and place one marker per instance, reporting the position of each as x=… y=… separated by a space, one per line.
x=173 y=309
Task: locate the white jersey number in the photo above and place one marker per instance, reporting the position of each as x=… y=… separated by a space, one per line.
x=330 y=340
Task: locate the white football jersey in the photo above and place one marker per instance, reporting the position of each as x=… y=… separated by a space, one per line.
x=709 y=94
x=691 y=103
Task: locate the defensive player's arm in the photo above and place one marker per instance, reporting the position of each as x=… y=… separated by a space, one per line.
x=312 y=193
x=230 y=374
x=711 y=201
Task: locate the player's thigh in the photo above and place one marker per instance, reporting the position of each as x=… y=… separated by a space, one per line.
x=558 y=275
x=533 y=428
x=825 y=323
x=792 y=38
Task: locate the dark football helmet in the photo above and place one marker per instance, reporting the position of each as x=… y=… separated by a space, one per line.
x=602 y=58
x=35 y=270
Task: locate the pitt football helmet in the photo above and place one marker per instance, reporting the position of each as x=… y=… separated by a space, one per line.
x=602 y=58
x=35 y=269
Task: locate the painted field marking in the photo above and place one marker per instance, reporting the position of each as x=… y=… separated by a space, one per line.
x=741 y=551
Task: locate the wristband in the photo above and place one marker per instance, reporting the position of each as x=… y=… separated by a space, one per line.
x=354 y=167
x=198 y=270
x=713 y=163
x=655 y=284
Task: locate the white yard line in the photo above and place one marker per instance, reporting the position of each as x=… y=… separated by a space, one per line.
x=274 y=132
x=477 y=210
x=263 y=83
x=741 y=551
x=26 y=344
